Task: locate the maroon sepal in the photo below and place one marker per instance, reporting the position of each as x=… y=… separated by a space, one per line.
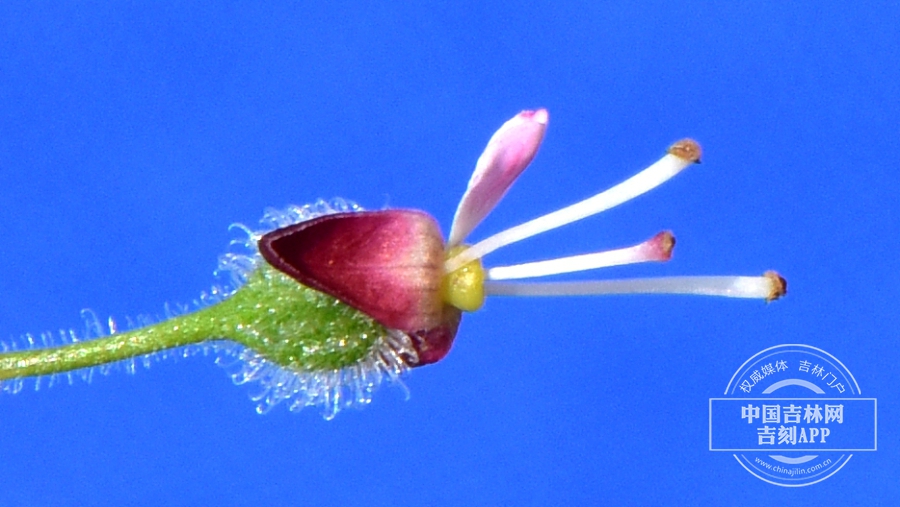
x=387 y=264
x=433 y=344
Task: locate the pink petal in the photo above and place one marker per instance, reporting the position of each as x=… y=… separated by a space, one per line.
x=387 y=264
x=507 y=154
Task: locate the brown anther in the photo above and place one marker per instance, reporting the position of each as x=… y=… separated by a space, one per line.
x=779 y=286
x=686 y=149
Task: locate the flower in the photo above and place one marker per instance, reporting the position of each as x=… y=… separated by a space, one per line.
x=394 y=266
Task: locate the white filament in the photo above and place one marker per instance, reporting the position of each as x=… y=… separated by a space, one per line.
x=646 y=180
x=753 y=287
x=622 y=256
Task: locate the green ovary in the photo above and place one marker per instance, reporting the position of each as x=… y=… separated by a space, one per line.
x=289 y=324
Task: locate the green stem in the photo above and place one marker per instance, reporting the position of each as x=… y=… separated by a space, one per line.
x=184 y=330
x=287 y=323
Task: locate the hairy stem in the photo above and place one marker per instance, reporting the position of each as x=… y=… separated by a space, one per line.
x=183 y=330
x=291 y=325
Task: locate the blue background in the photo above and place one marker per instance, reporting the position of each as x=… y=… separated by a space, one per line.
x=132 y=135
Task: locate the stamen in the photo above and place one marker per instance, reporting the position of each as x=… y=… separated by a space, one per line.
x=770 y=287
x=657 y=248
x=680 y=155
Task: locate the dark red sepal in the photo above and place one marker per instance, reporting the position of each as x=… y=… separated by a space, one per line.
x=433 y=344
x=387 y=264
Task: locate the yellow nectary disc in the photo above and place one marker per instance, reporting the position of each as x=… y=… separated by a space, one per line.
x=464 y=287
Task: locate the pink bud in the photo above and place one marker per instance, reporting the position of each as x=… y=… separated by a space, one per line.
x=507 y=154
